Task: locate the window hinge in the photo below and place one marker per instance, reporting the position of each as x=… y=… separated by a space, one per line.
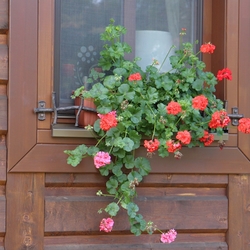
x=41 y=110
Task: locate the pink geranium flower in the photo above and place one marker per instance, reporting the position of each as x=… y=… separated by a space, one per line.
x=101 y=159
x=168 y=237
x=106 y=225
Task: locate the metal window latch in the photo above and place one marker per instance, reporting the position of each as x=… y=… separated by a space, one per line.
x=235 y=116
x=41 y=110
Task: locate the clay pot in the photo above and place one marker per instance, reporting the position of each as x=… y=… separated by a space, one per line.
x=86 y=117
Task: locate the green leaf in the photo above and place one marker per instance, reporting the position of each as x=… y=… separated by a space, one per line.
x=76 y=155
x=124 y=88
x=143 y=166
x=129 y=161
x=198 y=84
x=111 y=185
x=112 y=209
x=134 y=175
x=132 y=209
x=129 y=144
x=117 y=169
x=109 y=82
x=104 y=171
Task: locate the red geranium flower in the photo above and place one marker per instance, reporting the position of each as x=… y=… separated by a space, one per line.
x=224 y=74
x=108 y=121
x=219 y=119
x=199 y=102
x=135 y=77
x=184 y=137
x=151 y=145
x=173 y=108
x=207 y=48
x=173 y=146
x=207 y=138
x=244 y=125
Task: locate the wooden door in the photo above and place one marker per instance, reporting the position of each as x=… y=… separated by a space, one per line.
x=50 y=205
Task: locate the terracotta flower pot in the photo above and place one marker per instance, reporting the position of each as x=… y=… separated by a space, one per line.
x=86 y=117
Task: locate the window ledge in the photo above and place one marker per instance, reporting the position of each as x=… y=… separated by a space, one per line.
x=70 y=130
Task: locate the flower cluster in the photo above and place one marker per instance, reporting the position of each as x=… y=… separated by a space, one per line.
x=166 y=111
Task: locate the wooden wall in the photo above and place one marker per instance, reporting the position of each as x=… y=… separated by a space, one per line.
x=3 y=111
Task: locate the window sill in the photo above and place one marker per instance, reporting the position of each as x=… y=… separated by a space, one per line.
x=70 y=130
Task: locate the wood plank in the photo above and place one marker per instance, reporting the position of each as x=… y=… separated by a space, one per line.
x=3 y=62
x=3 y=39
x=82 y=240
x=232 y=55
x=157 y=246
x=142 y=191
x=239 y=212
x=152 y=179
x=2 y=213
x=244 y=61
x=22 y=79
x=184 y=209
x=4 y=21
x=3 y=161
x=3 y=115
x=25 y=211
x=210 y=160
x=46 y=56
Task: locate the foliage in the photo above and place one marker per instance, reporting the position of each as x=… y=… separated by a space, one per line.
x=163 y=110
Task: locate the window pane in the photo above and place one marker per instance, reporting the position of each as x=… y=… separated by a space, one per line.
x=151 y=25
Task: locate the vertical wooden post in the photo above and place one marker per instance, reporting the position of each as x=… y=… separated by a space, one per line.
x=25 y=211
x=239 y=212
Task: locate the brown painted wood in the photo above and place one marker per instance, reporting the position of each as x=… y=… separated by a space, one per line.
x=4 y=21
x=239 y=212
x=218 y=37
x=3 y=39
x=3 y=114
x=48 y=158
x=25 y=206
x=244 y=62
x=53 y=180
x=45 y=56
x=183 y=241
x=232 y=54
x=22 y=79
x=3 y=62
x=184 y=209
x=3 y=164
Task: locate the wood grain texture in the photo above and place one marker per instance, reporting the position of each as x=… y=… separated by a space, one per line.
x=183 y=241
x=185 y=209
x=25 y=206
x=4 y=20
x=3 y=61
x=95 y=179
x=3 y=163
x=22 y=87
x=3 y=115
x=239 y=212
x=51 y=158
x=244 y=61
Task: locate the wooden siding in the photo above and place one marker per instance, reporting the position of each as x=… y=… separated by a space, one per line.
x=184 y=200
x=4 y=56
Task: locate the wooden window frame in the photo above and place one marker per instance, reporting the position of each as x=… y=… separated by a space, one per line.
x=31 y=80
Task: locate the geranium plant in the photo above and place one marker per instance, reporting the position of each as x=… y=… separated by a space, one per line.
x=163 y=111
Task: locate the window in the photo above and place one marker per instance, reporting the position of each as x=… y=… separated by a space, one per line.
x=80 y=22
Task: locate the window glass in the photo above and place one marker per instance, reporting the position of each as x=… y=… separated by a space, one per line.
x=152 y=26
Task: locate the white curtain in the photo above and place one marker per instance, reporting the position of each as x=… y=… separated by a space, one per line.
x=173 y=17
